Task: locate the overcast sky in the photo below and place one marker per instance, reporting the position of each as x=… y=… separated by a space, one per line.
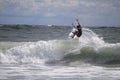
x=60 y=12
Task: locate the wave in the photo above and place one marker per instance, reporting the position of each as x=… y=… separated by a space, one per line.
x=34 y=52
x=88 y=48
x=15 y=27
x=108 y=54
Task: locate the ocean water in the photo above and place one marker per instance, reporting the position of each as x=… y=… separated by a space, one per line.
x=38 y=52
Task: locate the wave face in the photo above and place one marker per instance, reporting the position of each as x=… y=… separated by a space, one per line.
x=88 y=48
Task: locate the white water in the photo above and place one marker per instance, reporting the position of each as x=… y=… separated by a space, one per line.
x=38 y=72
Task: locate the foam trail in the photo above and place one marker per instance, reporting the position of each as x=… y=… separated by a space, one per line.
x=90 y=38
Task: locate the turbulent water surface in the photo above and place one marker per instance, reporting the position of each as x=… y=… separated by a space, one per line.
x=46 y=53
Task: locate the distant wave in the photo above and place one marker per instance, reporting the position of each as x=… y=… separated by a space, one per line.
x=15 y=27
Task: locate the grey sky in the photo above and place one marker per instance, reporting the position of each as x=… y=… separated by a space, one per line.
x=60 y=12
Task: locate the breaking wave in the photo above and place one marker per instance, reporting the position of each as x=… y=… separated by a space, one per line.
x=88 y=48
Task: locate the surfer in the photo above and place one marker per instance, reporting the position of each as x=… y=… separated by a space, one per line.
x=78 y=29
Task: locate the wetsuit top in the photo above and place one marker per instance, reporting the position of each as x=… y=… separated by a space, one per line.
x=79 y=32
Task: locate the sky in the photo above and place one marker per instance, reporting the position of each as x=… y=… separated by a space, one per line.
x=60 y=12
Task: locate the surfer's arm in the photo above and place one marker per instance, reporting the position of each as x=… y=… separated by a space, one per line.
x=73 y=25
x=78 y=23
